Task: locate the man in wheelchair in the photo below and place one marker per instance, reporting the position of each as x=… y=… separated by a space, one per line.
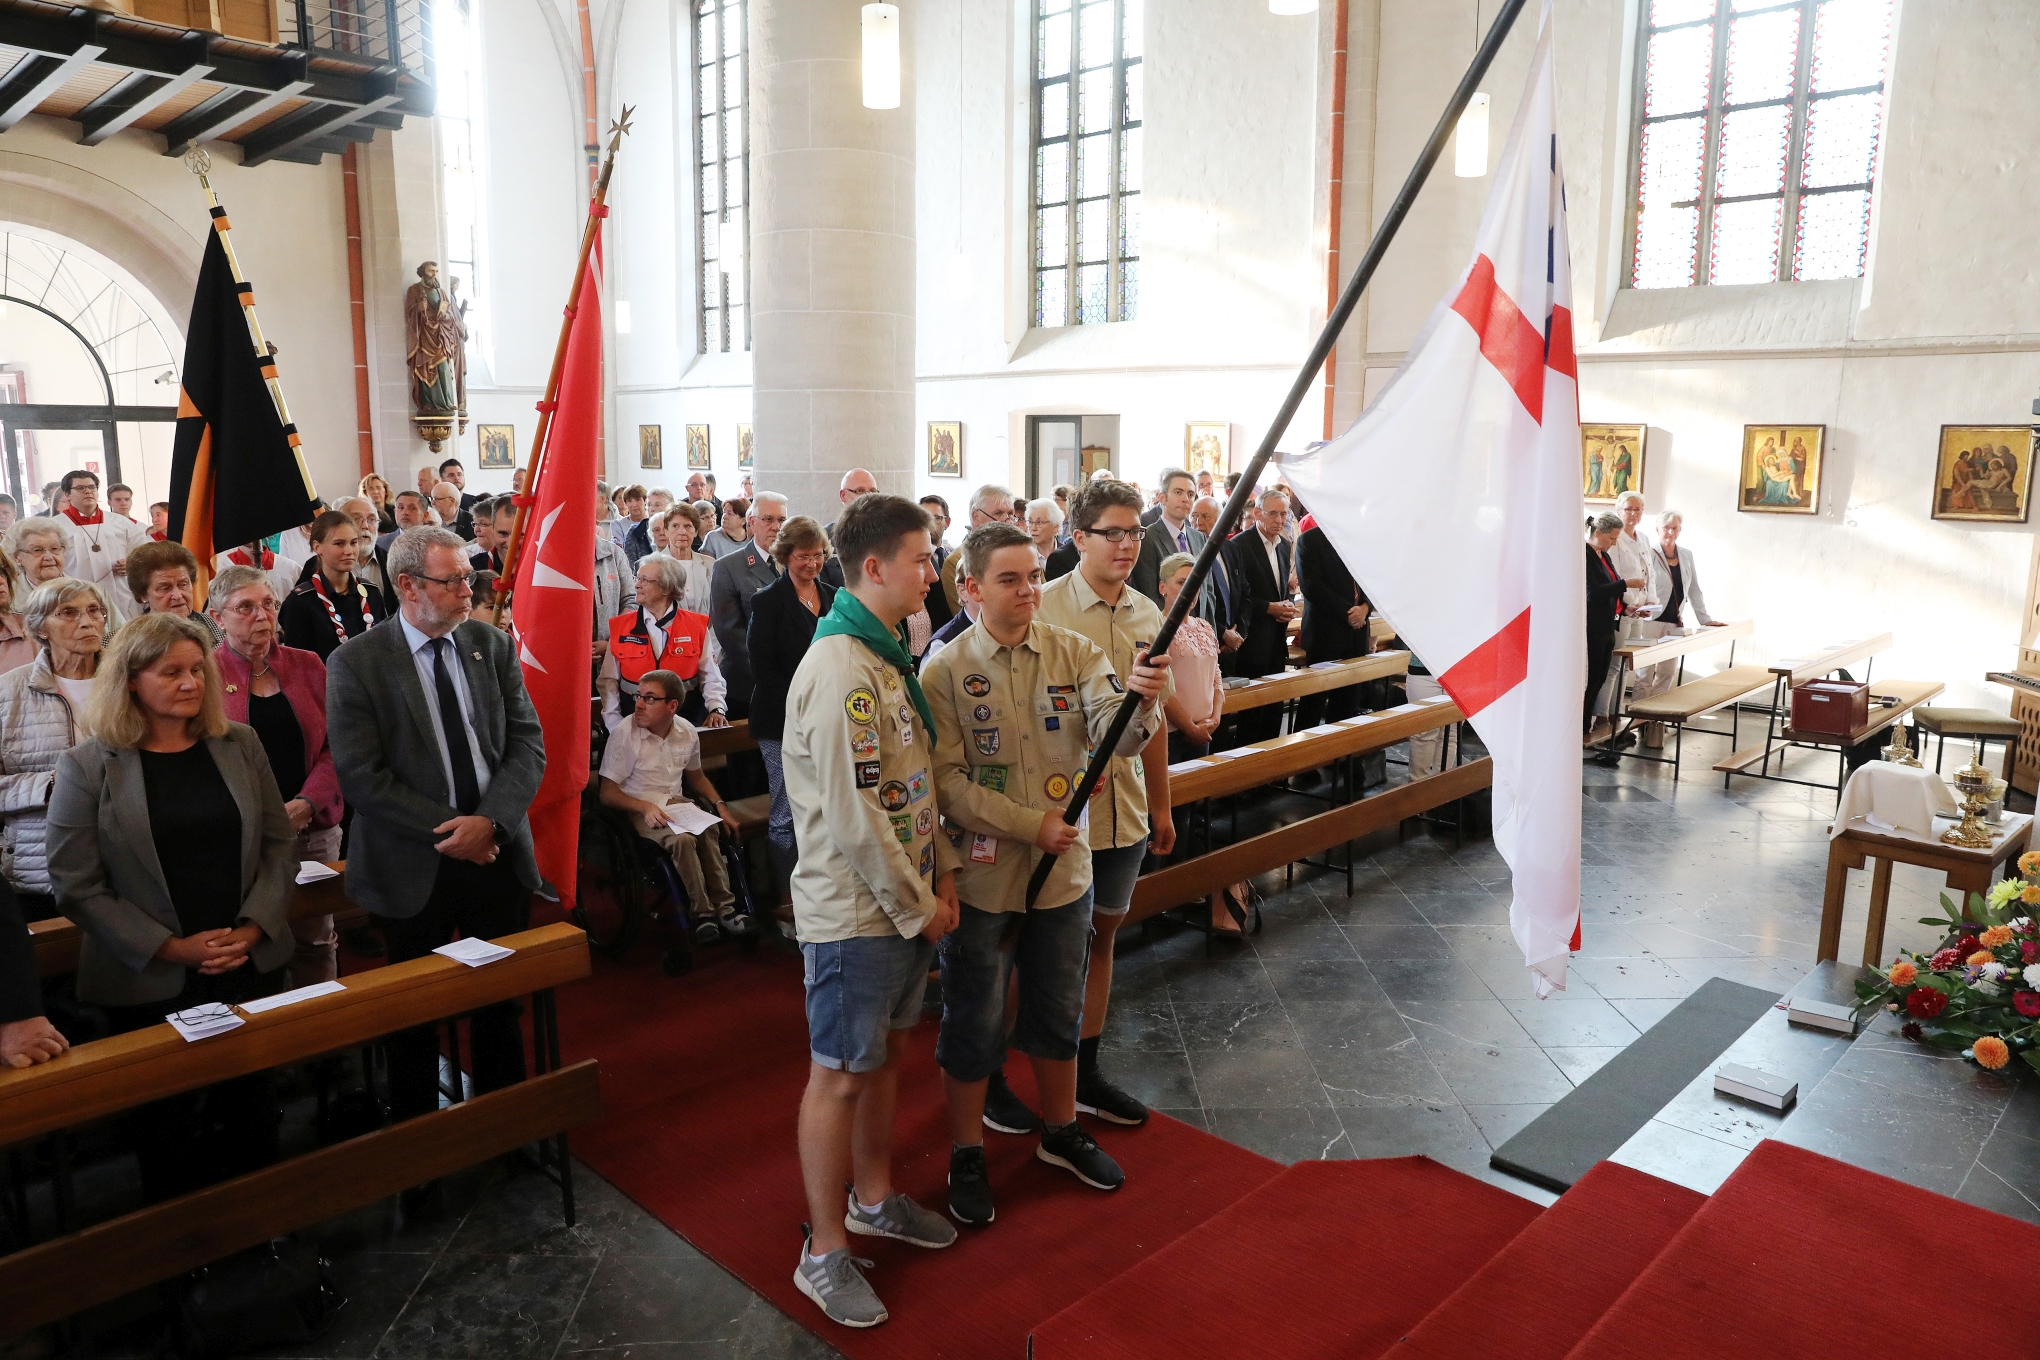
x=648 y=768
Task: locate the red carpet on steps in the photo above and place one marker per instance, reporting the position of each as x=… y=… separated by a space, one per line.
x=1327 y=1259
x=1800 y=1255
x=1539 y=1296
x=701 y=1084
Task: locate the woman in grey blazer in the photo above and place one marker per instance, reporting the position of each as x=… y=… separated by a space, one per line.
x=170 y=847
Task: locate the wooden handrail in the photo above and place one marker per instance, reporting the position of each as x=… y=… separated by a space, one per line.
x=55 y=1279
x=1280 y=757
x=106 y=1076
x=1829 y=659
x=727 y=741
x=59 y=939
x=1294 y=684
x=1702 y=638
x=1193 y=879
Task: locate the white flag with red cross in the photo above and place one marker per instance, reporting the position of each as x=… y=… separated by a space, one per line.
x=1455 y=502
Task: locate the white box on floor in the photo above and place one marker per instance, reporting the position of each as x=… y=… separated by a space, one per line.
x=1756 y=1086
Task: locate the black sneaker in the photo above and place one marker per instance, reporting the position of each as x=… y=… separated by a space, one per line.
x=707 y=931
x=970 y=1188
x=1071 y=1148
x=1095 y=1095
x=1006 y=1112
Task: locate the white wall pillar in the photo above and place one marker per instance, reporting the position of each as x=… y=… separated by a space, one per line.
x=832 y=273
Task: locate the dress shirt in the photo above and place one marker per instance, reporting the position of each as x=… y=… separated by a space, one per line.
x=1281 y=577
x=1179 y=534
x=421 y=656
x=646 y=765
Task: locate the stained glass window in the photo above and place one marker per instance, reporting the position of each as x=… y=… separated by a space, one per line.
x=1758 y=140
x=1087 y=178
x=722 y=174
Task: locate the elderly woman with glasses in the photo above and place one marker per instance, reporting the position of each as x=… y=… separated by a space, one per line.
x=663 y=634
x=42 y=715
x=280 y=692
x=164 y=577
x=39 y=547
x=170 y=847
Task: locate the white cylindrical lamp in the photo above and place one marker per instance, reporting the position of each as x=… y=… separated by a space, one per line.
x=881 y=56
x=1469 y=144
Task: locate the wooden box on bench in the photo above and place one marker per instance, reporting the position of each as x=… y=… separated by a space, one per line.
x=1835 y=706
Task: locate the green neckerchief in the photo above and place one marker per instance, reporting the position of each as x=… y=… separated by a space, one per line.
x=849 y=617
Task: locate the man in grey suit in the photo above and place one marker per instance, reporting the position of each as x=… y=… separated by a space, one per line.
x=738 y=575
x=439 y=753
x=1169 y=532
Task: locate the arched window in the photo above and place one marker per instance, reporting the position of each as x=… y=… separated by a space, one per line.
x=1758 y=139
x=1087 y=110
x=457 y=57
x=722 y=158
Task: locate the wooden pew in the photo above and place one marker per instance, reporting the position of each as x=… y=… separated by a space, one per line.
x=1780 y=737
x=1295 y=684
x=107 y=1076
x=94 y=1265
x=1280 y=757
x=58 y=939
x=1688 y=700
x=1192 y=880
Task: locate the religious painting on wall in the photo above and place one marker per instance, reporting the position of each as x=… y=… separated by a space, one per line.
x=1207 y=447
x=650 y=452
x=1781 y=469
x=945 y=448
x=499 y=445
x=1611 y=461
x=1984 y=472
x=697 y=448
x=743 y=446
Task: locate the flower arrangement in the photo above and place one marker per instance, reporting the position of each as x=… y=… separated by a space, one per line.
x=1980 y=992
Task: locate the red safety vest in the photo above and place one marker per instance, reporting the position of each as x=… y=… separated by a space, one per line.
x=630 y=642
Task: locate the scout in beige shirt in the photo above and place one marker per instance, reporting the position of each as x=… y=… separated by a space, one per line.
x=873 y=890
x=1017 y=706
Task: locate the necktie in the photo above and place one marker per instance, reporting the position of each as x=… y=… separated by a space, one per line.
x=467 y=795
x=1183 y=540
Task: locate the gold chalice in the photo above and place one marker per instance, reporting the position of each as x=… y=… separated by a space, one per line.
x=1973 y=782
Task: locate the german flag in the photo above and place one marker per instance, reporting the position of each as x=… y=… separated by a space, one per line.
x=235 y=473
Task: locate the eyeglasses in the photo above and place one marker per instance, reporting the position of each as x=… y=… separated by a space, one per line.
x=1116 y=536
x=71 y=613
x=248 y=609
x=644 y=698
x=38 y=552
x=459 y=581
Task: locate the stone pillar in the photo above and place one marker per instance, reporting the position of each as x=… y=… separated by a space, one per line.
x=832 y=257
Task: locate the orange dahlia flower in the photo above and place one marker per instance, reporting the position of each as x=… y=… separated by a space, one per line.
x=1903 y=973
x=2029 y=863
x=1981 y=957
x=2030 y=894
x=1995 y=936
x=1992 y=1052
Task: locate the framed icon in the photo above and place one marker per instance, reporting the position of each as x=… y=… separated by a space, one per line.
x=1984 y=472
x=945 y=448
x=650 y=451
x=499 y=445
x=1781 y=467
x=743 y=446
x=697 y=448
x=1207 y=447
x=1611 y=461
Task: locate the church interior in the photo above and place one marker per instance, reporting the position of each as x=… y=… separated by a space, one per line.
x=733 y=280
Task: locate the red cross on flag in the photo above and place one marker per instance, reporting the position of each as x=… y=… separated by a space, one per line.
x=554 y=602
x=1455 y=502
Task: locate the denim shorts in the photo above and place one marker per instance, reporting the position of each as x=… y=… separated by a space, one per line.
x=1112 y=876
x=858 y=990
x=1052 y=949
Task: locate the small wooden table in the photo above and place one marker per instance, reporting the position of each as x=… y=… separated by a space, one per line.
x=1967 y=871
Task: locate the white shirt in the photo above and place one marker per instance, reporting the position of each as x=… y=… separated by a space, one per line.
x=1275 y=563
x=648 y=766
x=116 y=536
x=1632 y=558
x=421 y=656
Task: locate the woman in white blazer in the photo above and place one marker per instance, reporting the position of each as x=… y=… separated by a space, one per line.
x=1674 y=577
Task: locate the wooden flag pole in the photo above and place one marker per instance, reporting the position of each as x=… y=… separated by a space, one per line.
x=1312 y=365
x=199 y=163
x=597 y=210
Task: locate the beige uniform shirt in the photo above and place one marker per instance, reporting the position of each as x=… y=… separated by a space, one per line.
x=1014 y=729
x=858 y=763
x=1119 y=815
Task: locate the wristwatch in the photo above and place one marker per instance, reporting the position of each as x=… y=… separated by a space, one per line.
x=501 y=832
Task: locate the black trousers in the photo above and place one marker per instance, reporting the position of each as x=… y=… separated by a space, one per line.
x=1600 y=651
x=484 y=900
x=198 y=1138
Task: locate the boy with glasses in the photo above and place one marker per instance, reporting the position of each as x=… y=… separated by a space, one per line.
x=1130 y=810
x=650 y=765
x=1018 y=704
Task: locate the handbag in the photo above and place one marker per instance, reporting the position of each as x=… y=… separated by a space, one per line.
x=282 y=1292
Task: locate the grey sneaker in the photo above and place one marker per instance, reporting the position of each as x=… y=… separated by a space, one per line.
x=837 y=1284
x=901 y=1219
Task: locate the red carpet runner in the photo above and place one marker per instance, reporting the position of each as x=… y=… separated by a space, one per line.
x=701 y=1085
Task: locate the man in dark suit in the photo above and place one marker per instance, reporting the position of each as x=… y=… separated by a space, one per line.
x=1335 y=612
x=1218 y=605
x=1062 y=561
x=452 y=471
x=446 y=501
x=439 y=753
x=1169 y=532
x=409 y=510
x=736 y=577
x=1260 y=579
x=856 y=482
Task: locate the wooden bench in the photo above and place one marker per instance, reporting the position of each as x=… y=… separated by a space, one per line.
x=1905 y=695
x=1674 y=647
x=58 y=939
x=1295 y=684
x=92 y=1081
x=1280 y=757
x=1788 y=671
x=1683 y=704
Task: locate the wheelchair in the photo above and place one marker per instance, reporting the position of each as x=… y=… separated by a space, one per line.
x=624 y=880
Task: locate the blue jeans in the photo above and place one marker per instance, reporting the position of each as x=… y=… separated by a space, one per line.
x=858 y=991
x=1112 y=876
x=1052 y=949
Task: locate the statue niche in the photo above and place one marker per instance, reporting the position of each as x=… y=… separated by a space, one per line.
x=435 y=340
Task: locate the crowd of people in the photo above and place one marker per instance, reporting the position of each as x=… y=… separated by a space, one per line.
x=1637 y=591
x=175 y=737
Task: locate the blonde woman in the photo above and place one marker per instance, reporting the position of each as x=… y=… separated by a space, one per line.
x=376 y=492
x=171 y=849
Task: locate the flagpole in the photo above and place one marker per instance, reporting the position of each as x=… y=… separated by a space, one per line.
x=597 y=210
x=1236 y=504
x=199 y=162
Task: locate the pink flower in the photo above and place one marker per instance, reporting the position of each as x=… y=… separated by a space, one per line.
x=2029 y=951
x=2026 y=1003
x=1945 y=958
